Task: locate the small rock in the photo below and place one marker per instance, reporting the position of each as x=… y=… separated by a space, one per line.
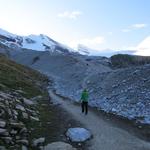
x=39 y=141
x=3 y=132
x=4 y=95
x=17 y=137
x=20 y=107
x=140 y=127
x=24 y=148
x=36 y=98
x=114 y=110
x=34 y=118
x=20 y=91
x=2 y=124
x=1 y=112
x=15 y=112
x=25 y=115
x=79 y=144
x=13 y=132
x=59 y=146
x=17 y=125
x=23 y=130
x=8 y=140
x=28 y=102
x=24 y=142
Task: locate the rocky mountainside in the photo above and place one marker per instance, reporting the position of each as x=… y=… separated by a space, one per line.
x=123 y=92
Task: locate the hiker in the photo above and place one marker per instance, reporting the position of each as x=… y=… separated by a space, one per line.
x=84 y=101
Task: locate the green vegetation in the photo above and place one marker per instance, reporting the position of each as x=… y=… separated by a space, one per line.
x=125 y=60
x=51 y=125
x=18 y=77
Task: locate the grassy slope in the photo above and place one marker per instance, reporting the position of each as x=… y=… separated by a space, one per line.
x=16 y=76
x=52 y=123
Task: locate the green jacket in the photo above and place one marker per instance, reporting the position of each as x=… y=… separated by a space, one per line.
x=84 y=96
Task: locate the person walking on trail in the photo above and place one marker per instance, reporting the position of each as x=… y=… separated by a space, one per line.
x=84 y=101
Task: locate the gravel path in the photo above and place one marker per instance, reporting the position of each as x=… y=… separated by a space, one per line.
x=105 y=136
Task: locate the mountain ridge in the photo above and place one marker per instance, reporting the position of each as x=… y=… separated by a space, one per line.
x=43 y=42
x=35 y=42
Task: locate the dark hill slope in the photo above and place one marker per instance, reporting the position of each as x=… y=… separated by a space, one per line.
x=25 y=111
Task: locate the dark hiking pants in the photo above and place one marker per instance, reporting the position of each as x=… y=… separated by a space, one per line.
x=84 y=107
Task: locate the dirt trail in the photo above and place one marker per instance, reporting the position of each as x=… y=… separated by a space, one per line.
x=105 y=136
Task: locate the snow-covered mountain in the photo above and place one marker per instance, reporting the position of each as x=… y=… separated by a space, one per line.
x=106 y=52
x=44 y=43
x=35 y=42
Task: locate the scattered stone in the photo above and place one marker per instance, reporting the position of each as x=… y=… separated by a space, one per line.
x=20 y=107
x=1 y=112
x=13 y=132
x=15 y=112
x=140 y=127
x=28 y=102
x=78 y=134
x=23 y=130
x=24 y=148
x=59 y=146
x=8 y=140
x=79 y=144
x=3 y=132
x=24 y=142
x=48 y=122
x=17 y=137
x=17 y=125
x=25 y=115
x=2 y=124
x=34 y=118
x=4 y=95
x=20 y=91
x=36 y=98
x=39 y=141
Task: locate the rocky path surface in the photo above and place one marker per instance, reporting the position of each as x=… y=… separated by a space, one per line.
x=105 y=136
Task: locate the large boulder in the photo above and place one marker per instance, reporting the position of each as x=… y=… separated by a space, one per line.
x=78 y=134
x=59 y=146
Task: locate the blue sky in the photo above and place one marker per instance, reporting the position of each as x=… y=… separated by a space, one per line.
x=98 y=24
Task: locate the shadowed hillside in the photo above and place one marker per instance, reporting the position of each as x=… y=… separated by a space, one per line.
x=27 y=119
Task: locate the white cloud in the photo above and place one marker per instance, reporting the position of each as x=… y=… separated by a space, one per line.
x=126 y=30
x=94 y=42
x=139 y=26
x=70 y=15
x=110 y=33
x=143 y=48
x=135 y=27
